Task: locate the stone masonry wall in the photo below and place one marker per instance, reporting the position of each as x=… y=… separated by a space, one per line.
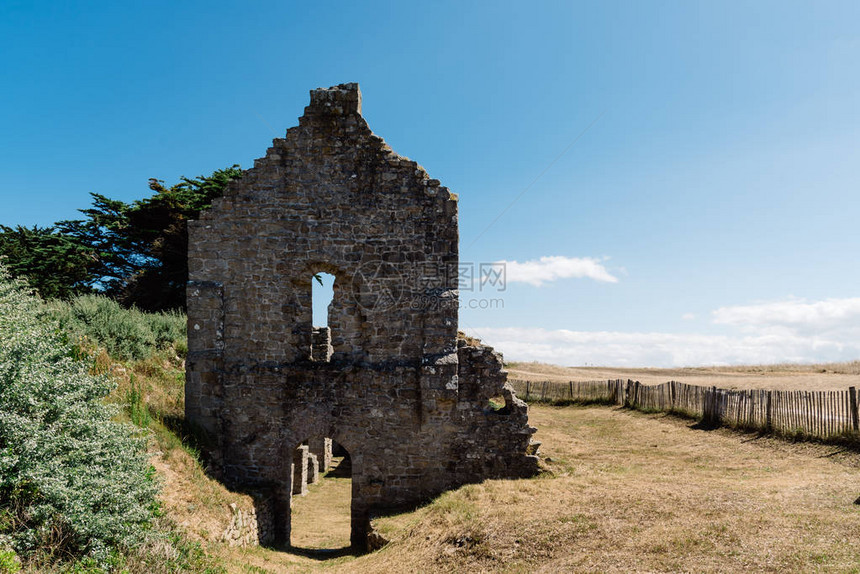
x=407 y=400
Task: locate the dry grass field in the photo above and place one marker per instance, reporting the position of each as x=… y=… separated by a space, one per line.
x=624 y=492
x=823 y=377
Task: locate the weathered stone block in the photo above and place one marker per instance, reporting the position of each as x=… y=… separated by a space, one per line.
x=321 y=447
x=300 y=470
x=313 y=469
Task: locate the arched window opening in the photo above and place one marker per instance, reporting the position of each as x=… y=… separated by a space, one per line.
x=322 y=497
x=322 y=295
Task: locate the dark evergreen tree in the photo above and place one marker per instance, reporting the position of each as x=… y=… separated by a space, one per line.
x=134 y=252
x=55 y=264
x=142 y=247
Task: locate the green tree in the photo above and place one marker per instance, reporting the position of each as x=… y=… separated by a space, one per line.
x=142 y=247
x=56 y=264
x=135 y=253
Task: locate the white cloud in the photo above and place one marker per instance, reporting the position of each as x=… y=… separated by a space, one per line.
x=611 y=348
x=539 y=271
x=787 y=331
x=688 y=316
x=838 y=318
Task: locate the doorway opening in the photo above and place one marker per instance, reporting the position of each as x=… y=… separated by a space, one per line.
x=321 y=509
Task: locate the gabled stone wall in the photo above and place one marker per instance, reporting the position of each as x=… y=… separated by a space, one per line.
x=388 y=380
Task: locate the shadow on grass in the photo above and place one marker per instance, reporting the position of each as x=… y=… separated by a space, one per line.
x=838 y=451
x=320 y=554
x=705 y=425
x=190 y=438
x=193 y=441
x=845 y=443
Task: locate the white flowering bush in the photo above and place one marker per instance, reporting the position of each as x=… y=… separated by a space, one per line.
x=73 y=481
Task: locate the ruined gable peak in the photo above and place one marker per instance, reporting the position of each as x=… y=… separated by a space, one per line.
x=341 y=100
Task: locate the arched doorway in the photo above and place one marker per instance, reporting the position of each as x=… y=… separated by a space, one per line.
x=321 y=505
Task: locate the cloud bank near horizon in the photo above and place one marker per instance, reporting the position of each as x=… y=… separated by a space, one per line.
x=538 y=272
x=830 y=316
x=788 y=331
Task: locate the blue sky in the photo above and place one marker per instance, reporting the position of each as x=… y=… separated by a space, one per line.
x=688 y=170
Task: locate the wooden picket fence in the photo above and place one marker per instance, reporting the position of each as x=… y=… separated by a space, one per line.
x=574 y=391
x=814 y=414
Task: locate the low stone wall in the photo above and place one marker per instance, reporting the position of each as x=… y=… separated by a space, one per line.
x=254 y=527
x=251 y=527
x=375 y=540
x=243 y=528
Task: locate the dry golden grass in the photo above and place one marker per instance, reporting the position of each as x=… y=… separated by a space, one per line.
x=198 y=504
x=321 y=519
x=628 y=493
x=832 y=376
x=643 y=493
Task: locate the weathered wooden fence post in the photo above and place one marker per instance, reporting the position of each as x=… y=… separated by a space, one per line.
x=722 y=403
x=768 y=425
x=712 y=403
x=855 y=418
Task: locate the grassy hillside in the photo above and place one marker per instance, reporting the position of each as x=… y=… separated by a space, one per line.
x=143 y=353
x=78 y=431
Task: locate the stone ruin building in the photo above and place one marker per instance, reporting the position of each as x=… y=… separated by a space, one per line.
x=388 y=379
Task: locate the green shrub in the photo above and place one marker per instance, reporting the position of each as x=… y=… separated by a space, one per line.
x=137 y=409
x=170 y=553
x=9 y=563
x=167 y=327
x=73 y=482
x=127 y=334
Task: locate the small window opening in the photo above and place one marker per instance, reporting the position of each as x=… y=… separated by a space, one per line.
x=322 y=295
x=498 y=405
